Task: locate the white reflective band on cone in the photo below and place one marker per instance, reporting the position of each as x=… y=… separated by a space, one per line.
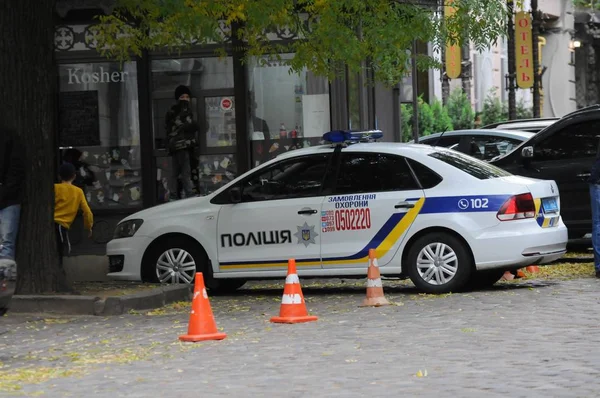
x=292 y=278
x=291 y=299
x=374 y=282
x=375 y=263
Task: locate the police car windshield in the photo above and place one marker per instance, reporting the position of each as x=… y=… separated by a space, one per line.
x=475 y=167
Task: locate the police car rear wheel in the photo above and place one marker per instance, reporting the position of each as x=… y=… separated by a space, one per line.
x=439 y=263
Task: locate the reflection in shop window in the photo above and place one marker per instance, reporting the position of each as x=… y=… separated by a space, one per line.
x=288 y=110
x=198 y=74
x=99 y=131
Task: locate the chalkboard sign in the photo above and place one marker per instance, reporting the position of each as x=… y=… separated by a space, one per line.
x=79 y=123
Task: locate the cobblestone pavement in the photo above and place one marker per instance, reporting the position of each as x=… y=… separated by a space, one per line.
x=530 y=338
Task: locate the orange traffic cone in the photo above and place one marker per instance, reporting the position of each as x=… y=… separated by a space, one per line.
x=202 y=324
x=293 y=307
x=508 y=276
x=532 y=269
x=521 y=274
x=375 y=297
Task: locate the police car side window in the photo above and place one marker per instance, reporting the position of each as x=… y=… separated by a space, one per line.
x=373 y=172
x=427 y=177
x=575 y=141
x=288 y=179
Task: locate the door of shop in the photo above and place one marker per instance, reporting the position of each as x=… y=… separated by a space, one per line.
x=213 y=164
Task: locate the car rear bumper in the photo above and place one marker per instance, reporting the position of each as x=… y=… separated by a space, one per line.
x=520 y=246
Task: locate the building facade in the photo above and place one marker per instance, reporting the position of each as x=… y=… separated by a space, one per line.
x=112 y=116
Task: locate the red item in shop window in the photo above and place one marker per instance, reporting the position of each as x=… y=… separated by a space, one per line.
x=282 y=131
x=293 y=134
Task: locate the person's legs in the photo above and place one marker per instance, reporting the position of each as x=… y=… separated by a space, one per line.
x=9 y=228
x=175 y=172
x=186 y=173
x=61 y=237
x=595 y=206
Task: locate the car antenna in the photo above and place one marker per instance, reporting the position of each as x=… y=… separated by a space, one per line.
x=440 y=136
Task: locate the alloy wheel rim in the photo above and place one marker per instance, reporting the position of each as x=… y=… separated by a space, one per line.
x=176 y=266
x=437 y=263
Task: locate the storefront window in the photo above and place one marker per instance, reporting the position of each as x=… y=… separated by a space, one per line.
x=99 y=131
x=288 y=111
x=211 y=82
x=199 y=74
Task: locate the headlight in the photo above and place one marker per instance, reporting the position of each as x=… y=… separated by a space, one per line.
x=127 y=229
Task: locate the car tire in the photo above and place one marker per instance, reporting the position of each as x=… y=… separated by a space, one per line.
x=439 y=263
x=483 y=279
x=176 y=259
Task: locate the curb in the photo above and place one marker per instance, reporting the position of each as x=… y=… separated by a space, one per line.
x=91 y=305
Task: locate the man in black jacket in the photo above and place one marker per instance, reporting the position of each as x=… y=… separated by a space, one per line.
x=181 y=132
x=12 y=181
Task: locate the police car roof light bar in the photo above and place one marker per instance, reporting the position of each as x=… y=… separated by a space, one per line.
x=350 y=137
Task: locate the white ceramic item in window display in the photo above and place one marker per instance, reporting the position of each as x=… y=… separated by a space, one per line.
x=88 y=196
x=225 y=163
x=100 y=196
x=97 y=185
x=116 y=197
x=135 y=193
x=107 y=174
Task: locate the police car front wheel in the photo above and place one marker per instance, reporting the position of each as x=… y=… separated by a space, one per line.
x=439 y=263
x=176 y=259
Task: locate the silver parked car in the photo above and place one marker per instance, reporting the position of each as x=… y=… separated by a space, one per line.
x=484 y=144
x=531 y=125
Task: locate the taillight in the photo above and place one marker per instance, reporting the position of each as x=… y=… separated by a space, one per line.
x=517 y=208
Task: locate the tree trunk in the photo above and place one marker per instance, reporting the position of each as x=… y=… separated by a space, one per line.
x=27 y=103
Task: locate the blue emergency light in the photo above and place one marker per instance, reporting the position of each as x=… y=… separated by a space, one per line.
x=348 y=136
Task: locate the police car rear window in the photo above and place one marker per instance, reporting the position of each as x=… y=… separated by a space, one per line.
x=475 y=167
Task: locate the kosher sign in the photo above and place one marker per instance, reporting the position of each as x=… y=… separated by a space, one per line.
x=453 y=61
x=523 y=50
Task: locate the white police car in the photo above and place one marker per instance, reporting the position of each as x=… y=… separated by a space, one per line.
x=446 y=220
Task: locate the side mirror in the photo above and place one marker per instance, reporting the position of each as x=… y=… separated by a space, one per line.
x=235 y=195
x=527 y=152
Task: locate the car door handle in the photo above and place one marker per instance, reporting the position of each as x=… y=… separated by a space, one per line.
x=404 y=205
x=307 y=211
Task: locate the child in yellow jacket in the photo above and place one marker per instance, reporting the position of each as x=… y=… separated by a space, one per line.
x=68 y=200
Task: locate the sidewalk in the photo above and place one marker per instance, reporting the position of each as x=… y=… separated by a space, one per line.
x=530 y=338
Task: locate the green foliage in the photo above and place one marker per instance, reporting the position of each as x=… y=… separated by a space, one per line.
x=441 y=119
x=587 y=4
x=406 y=111
x=523 y=112
x=333 y=33
x=460 y=110
x=427 y=121
x=493 y=110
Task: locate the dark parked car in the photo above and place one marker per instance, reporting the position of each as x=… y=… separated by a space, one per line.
x=479 y=143
x=564 y=152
